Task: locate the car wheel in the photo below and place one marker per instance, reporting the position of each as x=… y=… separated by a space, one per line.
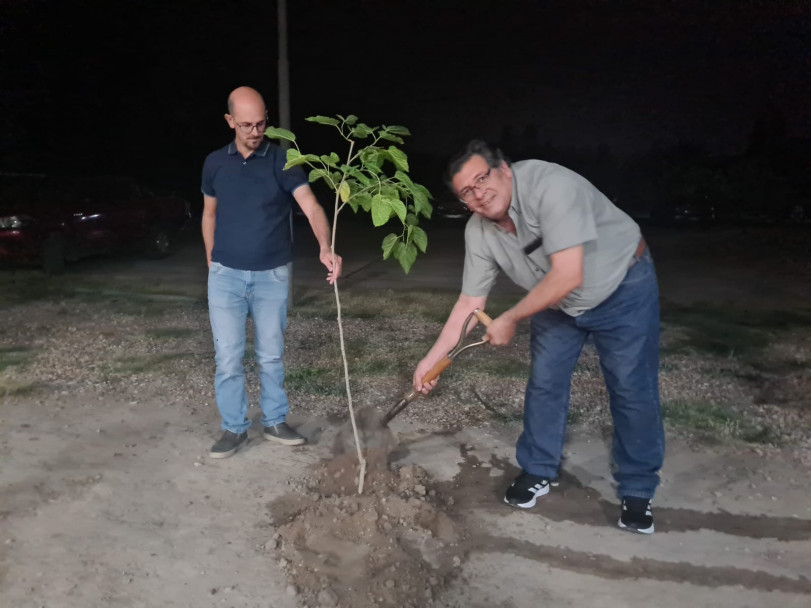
x=159 y=242
x=53 y=255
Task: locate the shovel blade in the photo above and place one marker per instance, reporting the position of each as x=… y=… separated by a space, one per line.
x=372 y=432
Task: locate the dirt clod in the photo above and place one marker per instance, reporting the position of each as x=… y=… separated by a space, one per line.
x=367 y=550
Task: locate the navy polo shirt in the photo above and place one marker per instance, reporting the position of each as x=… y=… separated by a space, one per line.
x=254 y=201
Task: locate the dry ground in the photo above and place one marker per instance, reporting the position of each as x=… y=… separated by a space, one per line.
x=109 y=498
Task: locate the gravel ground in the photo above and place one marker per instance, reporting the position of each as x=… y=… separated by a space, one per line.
x=108 y=375
x=125 y=346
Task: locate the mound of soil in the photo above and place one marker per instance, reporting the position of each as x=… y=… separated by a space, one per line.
x=394 y=545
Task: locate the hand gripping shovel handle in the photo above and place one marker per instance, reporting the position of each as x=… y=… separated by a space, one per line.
x=439 y=367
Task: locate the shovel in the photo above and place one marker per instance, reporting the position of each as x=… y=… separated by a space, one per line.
x=373 y=428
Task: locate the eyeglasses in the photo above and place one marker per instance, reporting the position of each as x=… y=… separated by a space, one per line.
x=248 y=127
x=467 y=195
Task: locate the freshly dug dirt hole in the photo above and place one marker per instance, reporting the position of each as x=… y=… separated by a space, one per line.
x=394 y=545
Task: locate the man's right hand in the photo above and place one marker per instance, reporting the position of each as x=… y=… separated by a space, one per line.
x=423 y=367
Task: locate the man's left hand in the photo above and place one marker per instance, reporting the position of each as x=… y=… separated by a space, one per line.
x=334 y=265
x=500 y=331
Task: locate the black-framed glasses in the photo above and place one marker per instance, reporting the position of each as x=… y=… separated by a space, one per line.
x=468 y=195
x=248 y=127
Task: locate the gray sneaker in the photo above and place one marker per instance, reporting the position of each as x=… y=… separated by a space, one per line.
x=228 y=444
x=282 y=433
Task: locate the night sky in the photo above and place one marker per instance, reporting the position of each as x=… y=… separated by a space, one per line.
x=139 y=88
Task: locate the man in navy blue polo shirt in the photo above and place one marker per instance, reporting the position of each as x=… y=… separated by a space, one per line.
x=247 y=201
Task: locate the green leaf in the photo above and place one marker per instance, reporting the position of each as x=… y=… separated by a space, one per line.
x=331 y=160
x=421 y=204
x=411 y=220
x=344 y=192
x=407 y=256
x=359 y=175
x=323 y=120
x=277 y=133
x=294 y=157
x=351 y=120
x=364 y=200
x=317 y=174
x=381 y=210
x=390 y=191
x=397 y=129
x=398 y=207
x=399 y=158
x=423 y=190
x=403 y=178
x=419 y=237
x=390 y=137
x=361 y=131
x=370 y=157
x=383 y=207
x=388 y=244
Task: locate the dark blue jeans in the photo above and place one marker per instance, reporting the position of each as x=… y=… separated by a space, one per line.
x=625 y=331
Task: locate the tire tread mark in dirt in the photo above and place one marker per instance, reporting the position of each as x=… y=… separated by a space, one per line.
x=572 y=501
x=608 y=567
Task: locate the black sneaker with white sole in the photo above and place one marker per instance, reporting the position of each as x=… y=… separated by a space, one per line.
x=228 y=444
x=282 y=433
x=636 y=515
x=525 y=489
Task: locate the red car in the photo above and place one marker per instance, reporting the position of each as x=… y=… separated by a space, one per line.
x=48 y=220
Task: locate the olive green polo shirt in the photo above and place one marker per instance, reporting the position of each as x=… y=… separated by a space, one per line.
x=553 y=209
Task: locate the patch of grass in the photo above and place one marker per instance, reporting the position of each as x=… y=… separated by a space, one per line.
x=21 y=286
x=432 y=305
x=699 y=415
x=782 y=366
x=729 y=331
x=372 y=366
x=8 y=389
x=132 y=304
x=502 y=411
x=714 y=422
x=502 y=367
x=315 y=380
x=146 y=363
x=13 y=356
x=665 y=365
x=169 y=333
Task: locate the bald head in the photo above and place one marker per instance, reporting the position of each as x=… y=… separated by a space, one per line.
x=247 y=117
x=245 y=99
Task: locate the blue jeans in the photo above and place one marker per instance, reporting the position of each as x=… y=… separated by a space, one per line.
x=625 y=331
x=232 y=295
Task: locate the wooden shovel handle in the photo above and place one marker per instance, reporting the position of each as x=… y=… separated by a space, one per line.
x=432 y=374
x=483 y=317
x=441 y=365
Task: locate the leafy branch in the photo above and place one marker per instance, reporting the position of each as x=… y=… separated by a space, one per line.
x=363 y=182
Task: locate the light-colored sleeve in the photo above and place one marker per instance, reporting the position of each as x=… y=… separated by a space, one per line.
x=481 y=270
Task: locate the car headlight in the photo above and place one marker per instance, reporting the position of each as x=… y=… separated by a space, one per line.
x=15 y=222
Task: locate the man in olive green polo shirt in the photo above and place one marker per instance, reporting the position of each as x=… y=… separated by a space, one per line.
x=588 y=274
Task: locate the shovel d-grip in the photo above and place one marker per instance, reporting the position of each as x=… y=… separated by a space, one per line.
x=442 y=364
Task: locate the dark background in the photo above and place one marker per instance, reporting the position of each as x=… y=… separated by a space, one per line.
x=656 y=102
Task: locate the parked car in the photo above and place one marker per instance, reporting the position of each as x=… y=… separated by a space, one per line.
x=449 y=208
x=685 y=211
x=48 y=220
